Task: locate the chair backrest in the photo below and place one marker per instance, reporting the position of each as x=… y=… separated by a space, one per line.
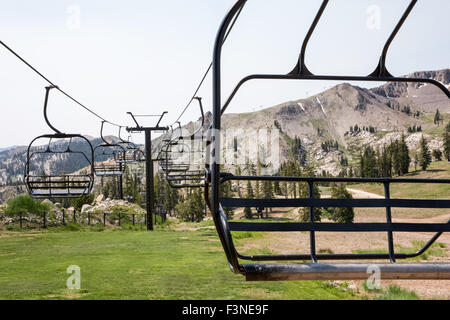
x=59 y=183
x=216 y=178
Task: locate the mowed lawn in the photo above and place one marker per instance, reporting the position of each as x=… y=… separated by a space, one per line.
x=134 y=265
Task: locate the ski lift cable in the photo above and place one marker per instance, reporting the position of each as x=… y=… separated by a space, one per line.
x=56 y=87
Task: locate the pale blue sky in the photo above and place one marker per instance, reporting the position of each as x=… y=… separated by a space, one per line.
x=148 y=56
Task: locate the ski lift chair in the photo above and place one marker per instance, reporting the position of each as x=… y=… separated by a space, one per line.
x=131 y=154
x=177 y=161
x=105 y=158
x=290 y=266
x=60 y=184
x=186 y=172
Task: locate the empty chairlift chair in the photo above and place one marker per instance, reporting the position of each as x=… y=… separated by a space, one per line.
x=184 y=157
x=105 y=158
x=132 y=154
x=51 y=180
x=283 y=266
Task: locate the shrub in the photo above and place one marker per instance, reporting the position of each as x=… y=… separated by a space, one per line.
x=248 y=213
x=78 y=203
x=394 y=292
x=191 y=208
x=25 y=204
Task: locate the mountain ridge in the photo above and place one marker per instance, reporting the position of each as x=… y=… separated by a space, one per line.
x=381 y=113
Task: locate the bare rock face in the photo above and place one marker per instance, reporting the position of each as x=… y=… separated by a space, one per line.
x=85 y=208
x=58 y=205
x=70 y=211
x=108 y=205
x=46 y=201
x=99 y=199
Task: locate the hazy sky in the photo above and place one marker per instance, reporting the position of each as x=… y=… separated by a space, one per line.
x=148 y=56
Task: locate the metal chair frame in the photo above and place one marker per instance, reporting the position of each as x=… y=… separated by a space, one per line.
x=182 y=175
x=109 y=170
x=132 y=154
x=60 y=185
x=316 y=270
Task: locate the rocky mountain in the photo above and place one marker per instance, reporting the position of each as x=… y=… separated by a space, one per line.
x=324 y=128
x=12 y=160
x=7 y=148
x=381 y=115
x=426 y=97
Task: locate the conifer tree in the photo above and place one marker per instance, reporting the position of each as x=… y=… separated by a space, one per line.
x=437 y=154
x=437 y=117
x=225 y=192
x=304 y=193
x=250 y=195
x=424 y=154
x=277 y=188
x=416 y=161
x=341 y=215
x=404 y=157
x=447 y=142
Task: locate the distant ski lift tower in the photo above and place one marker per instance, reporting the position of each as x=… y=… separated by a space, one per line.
x=148 y=161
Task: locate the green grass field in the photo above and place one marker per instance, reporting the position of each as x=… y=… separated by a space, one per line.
x=164 y=264
x=437 y=170
x=135 y=265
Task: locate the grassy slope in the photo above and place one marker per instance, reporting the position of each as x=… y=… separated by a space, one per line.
x=437 y=170
x=134 y=265
x=430 y=128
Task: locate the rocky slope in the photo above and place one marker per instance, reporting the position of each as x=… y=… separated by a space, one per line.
x=388 y=110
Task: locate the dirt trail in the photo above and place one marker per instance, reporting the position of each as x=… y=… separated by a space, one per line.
x=438 y=219
x=336 y=242
x=363 y=194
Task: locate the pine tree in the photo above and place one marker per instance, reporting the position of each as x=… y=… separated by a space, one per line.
x=277 y=188
x=283 y=185
x=259 y=187
x=191 y=208
x=341 y=215
x=386 y=163
x=304 y=193
x=396 y=157
x=268 y=189
x=424 y=154
x=250 y=195
x=447 y=142
x=225 y=192
x=170 y=198
x=437 y=154
x=238 y=183
x=416 y=161
x=404 y=157
x=437 y=117
x=367 y=163
x=350 y=172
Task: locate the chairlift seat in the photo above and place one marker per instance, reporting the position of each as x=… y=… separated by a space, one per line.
x=108 y=169
x=60 y=185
